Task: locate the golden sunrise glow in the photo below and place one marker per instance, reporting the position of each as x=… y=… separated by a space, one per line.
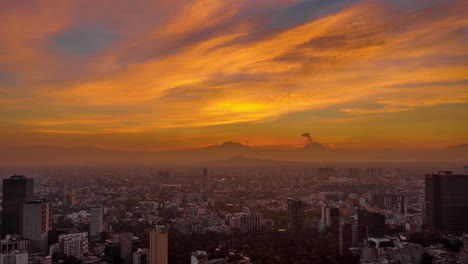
x=159 y=74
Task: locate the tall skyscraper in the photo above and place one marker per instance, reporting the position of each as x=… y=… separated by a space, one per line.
x=96 y=223
x=74 y=244
x=36 y=216
x=374 y=221
x=331 y=217
x=16 y=190
x=126 y=252
x=158 y=246
x=351 y=235
x=446 y=202
x=296 y=214
x=250 y=222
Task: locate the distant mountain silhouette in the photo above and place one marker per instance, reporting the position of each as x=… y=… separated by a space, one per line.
x=459 y=147
x=51 y=155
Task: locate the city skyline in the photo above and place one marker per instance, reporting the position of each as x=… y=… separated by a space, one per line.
x=154 y=75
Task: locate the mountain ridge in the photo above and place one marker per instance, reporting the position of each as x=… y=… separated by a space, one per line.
x=91 y=155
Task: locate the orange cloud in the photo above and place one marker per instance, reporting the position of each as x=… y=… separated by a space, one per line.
x=207 y=63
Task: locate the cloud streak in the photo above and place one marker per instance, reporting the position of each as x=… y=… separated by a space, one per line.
x=209 y=63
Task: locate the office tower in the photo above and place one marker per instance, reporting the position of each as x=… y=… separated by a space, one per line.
x=250 y=222
x=112 y=251
x=351 y=235
x=331 y=217
x=75 y=244
x=16 y=190
x=36 y=216
x=96 y=223
x=446 y=202
x=375 y=172
x=374 y=221
x=126 y=252
x=158 y=246
x=296 y=214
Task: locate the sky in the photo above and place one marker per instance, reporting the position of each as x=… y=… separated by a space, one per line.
x=165 y=74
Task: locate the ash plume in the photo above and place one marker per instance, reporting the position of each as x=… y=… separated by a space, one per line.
x=307 y=135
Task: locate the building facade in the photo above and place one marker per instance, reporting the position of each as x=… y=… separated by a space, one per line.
x=158 y=246
x=16 y=190
x=96 y=222
x=36 y=216
x=446 y=202
x=296 y=215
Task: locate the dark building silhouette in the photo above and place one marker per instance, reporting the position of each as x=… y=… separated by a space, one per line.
x=351 y=236
x=331 y=217
x=374 y=221
x=446 y=202
x=296 y=214
x=16 y=190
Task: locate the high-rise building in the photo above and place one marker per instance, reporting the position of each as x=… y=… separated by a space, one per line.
x=250 y=222
x=36 y=216
x=16 y=190
x=374 y=221
x=75 y=244
x=158 y=246
x=96 y=223
x=296 y=213
x=331 y=217
x=126 y=251
x=446 y=202
x=112 y=250
x=351 y=236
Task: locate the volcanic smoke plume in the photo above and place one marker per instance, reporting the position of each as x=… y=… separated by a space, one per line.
x=307 y=135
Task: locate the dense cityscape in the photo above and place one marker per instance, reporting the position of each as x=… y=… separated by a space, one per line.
x=283 y=213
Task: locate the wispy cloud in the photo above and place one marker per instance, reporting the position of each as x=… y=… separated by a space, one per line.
x=364 y=111
x=155 y=64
